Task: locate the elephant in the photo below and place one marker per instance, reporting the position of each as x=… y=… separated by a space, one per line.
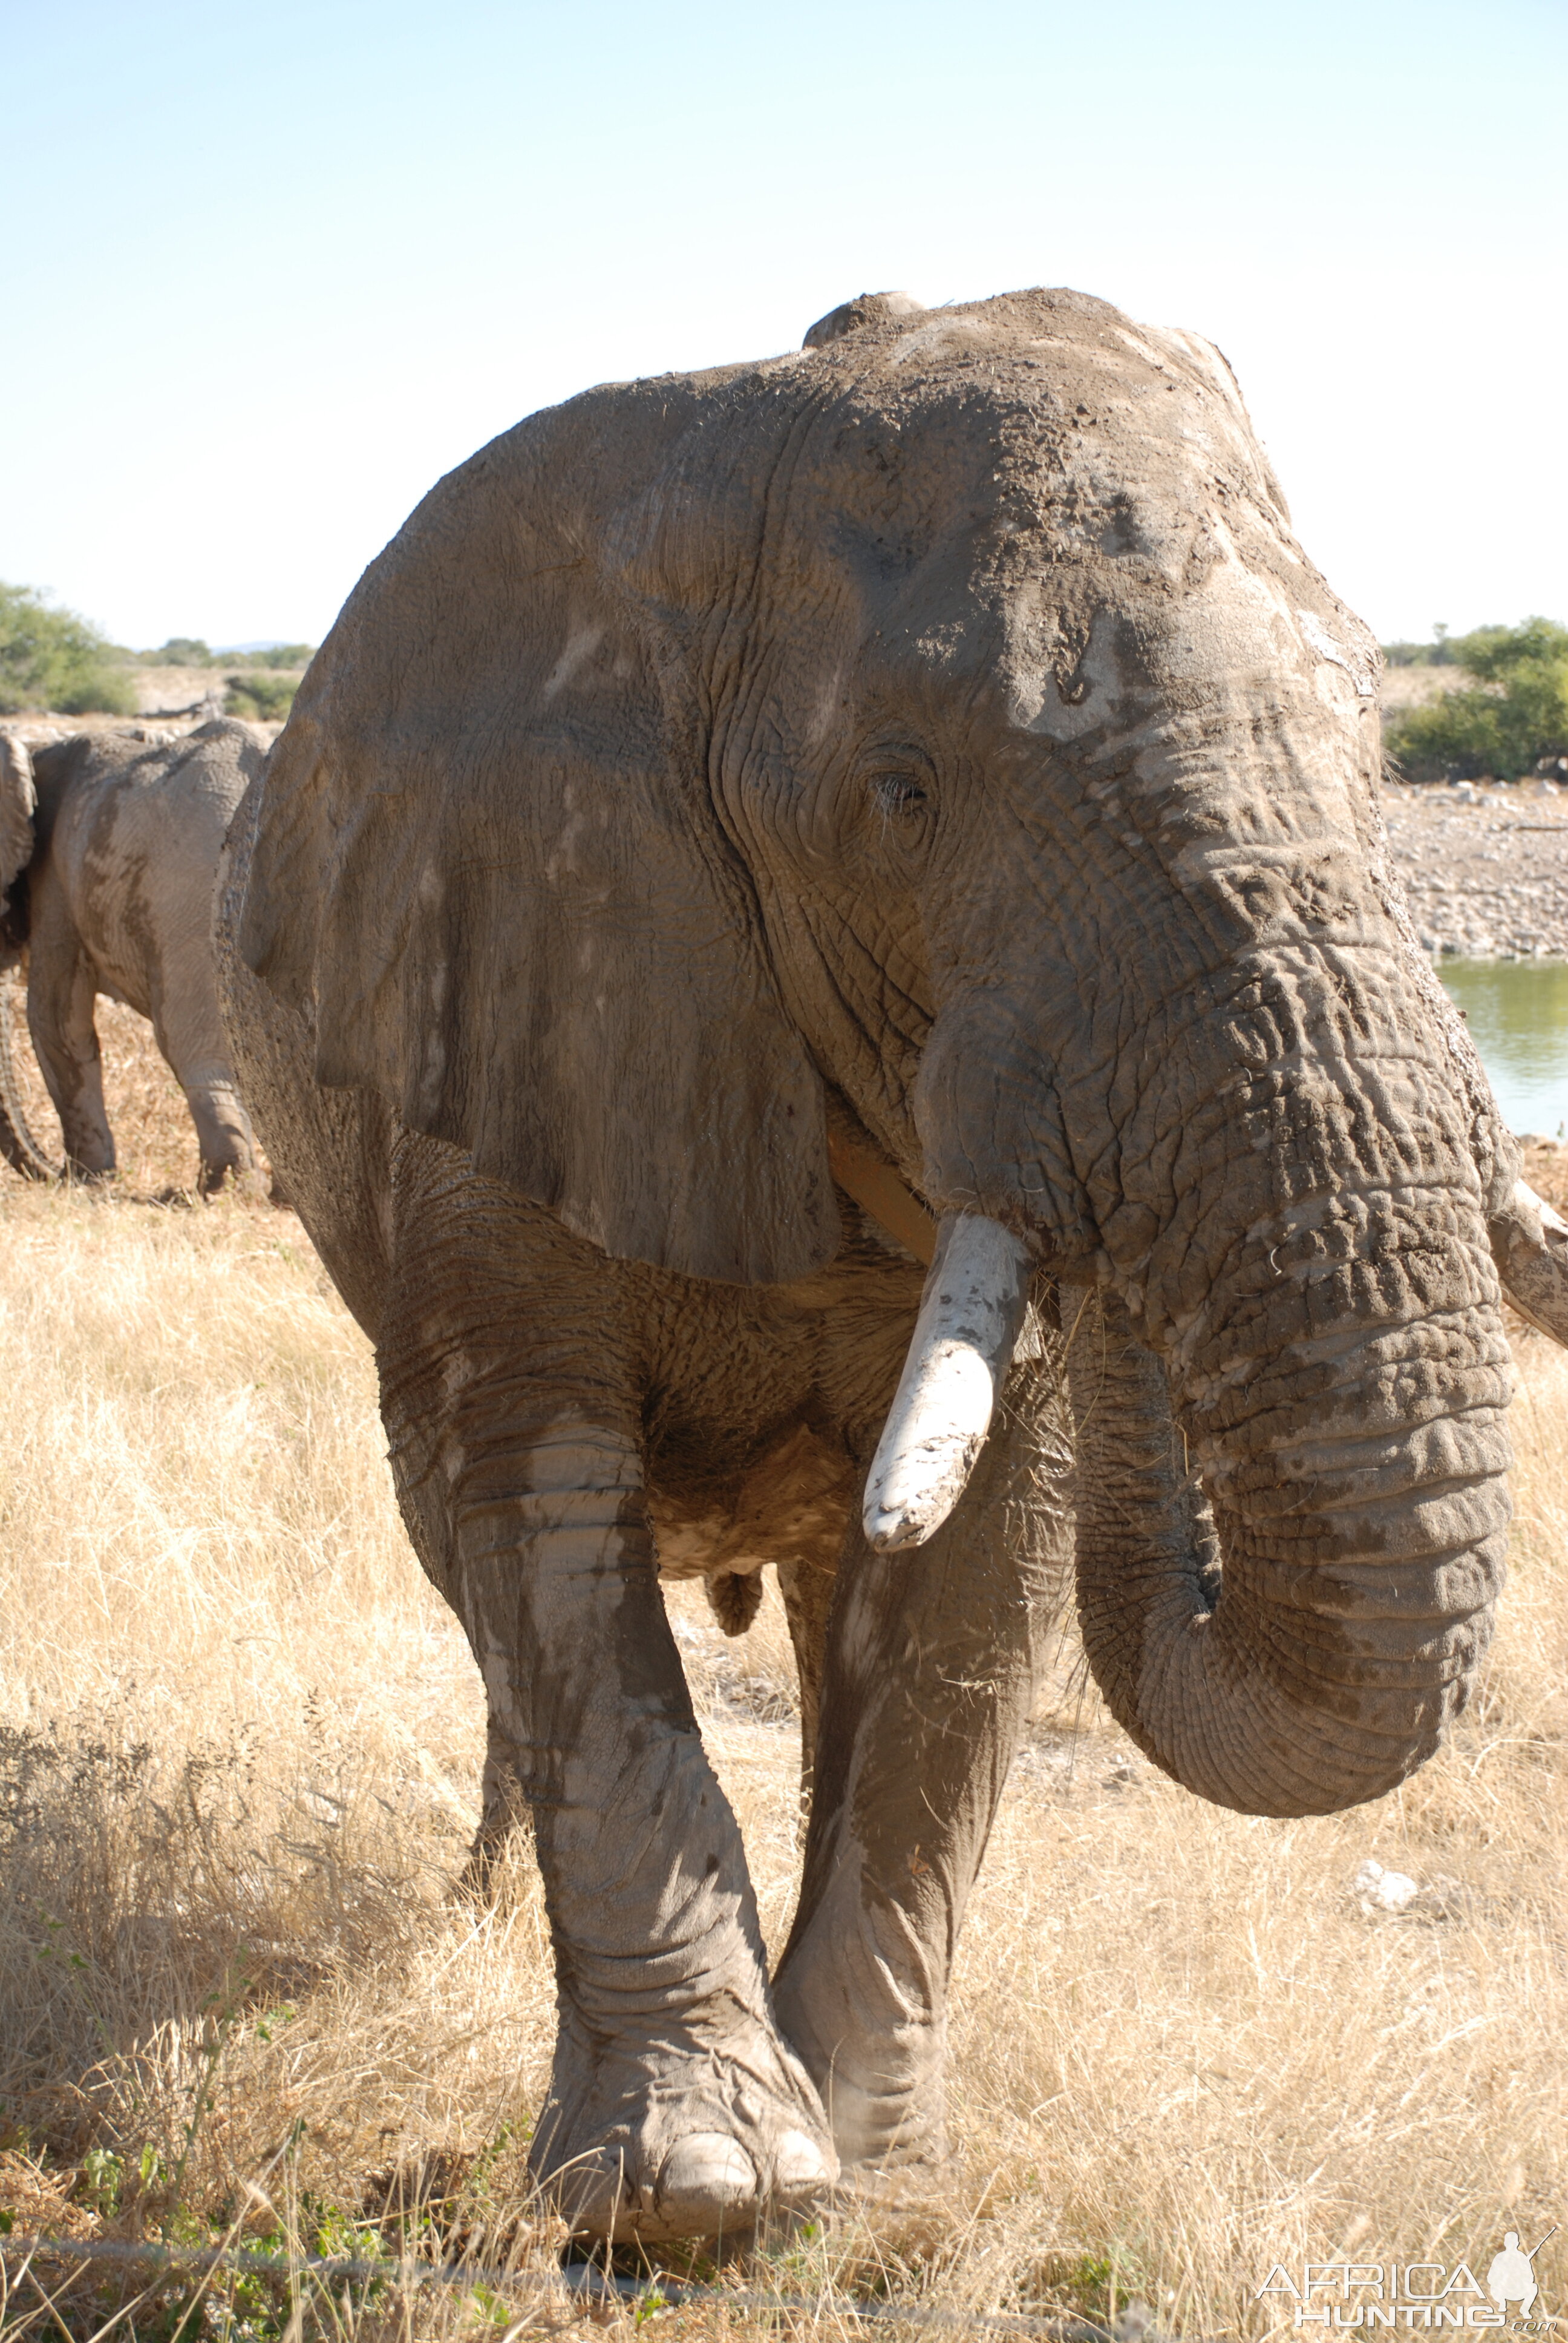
x=109 y=856
x=819 y=958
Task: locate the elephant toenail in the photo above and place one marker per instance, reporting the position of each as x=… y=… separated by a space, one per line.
x=590 y=2191
x=799 y=2165
x=708 y=2171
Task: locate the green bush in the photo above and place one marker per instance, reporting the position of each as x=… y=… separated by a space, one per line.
x=180 y=651
x=1514 y=714
x=52 y=659
x=1439 y=652
x=189 y=651
x=298 y=655
x=263 y=696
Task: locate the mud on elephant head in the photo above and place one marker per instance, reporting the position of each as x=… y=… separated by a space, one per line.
x=944 y=719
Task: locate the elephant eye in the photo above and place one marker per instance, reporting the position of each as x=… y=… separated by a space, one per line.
x=897 y=795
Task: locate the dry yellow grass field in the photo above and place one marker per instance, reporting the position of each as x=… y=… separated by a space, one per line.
x=240 y=1993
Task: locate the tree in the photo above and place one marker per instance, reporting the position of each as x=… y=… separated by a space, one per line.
x=1439 y=652
x=1514 y=714
x=180 y=651
x=52 y=659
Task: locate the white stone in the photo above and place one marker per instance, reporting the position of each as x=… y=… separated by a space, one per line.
x=1389 y=1891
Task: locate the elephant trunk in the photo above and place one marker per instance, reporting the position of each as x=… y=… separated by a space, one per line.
x=1285 y=1580
x=1290 y=1375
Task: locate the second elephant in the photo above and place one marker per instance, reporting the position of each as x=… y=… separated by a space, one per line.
x=108 y=860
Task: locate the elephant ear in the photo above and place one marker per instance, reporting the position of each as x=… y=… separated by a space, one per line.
x=489 y=868
x=18 y=803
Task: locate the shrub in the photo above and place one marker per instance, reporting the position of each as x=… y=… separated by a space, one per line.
x=1514 y=714
x=189 y=651
x=1439 y=652
x=180 y=651
x=278 y=655
x=263 y=696
x=52 y=659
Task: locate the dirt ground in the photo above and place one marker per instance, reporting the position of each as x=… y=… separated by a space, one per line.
x=1485 y=868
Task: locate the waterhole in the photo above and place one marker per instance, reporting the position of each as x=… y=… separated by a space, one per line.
x=1517 y=1011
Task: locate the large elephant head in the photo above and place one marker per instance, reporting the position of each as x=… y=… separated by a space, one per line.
x=944 y=721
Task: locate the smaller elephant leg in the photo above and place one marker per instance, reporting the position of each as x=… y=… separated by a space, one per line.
x=931 y=1667
x=503 y=1809
x=808 y=1593
x=17 y=1144
x=224 y=1140
x=189 y=1031
x=61 y=990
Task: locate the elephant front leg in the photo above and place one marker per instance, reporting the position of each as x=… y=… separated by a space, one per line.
x=61 y=991
x=674 y=2107
x=189 y=1031
x=930 y=1671
x=225 y=1140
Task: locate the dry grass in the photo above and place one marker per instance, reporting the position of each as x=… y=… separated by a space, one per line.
x=238 y=1767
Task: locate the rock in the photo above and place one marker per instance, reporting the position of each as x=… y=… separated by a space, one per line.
x=1134 y=2322
x=1384 y=1891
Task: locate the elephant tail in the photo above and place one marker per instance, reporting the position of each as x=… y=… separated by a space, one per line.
x=17 y=1144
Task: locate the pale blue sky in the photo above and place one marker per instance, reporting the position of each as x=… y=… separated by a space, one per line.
x=268 y=272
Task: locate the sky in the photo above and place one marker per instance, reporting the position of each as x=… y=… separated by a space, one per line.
x=270 y=272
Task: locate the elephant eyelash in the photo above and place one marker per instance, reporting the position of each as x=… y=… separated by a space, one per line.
x=897 y=794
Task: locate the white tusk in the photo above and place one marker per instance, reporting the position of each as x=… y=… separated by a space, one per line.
x=1530 y=1246
x=1552 y=1221
x=971 y=1312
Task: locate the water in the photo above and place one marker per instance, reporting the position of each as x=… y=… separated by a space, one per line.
x=1517 y=1011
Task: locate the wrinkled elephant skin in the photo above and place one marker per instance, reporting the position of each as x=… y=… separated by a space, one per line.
x=749 y=833
x=109 y=855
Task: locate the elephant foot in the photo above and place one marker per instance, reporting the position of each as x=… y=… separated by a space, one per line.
x=680 y=2137
x=231 y=1179
x=873 y=2041
x=886 y=2124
